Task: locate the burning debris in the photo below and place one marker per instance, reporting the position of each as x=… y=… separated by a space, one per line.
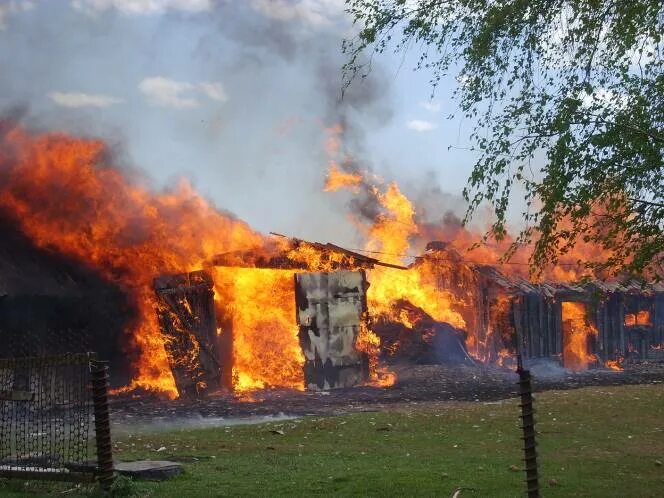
x=187 y=318
x=424 y=341
x=291 y=253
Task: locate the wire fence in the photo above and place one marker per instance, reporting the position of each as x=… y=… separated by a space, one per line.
x=47 y=416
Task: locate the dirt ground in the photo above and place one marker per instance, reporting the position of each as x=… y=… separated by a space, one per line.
x=415 y=383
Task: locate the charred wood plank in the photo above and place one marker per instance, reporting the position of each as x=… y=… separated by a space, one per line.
x=605 y=333
x=543 y=331
x=186 y=313
x=517 y=310
x=550 y=330
x=558 y=326
x=533 y=324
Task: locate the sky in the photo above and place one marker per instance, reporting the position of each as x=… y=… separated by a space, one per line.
x=236 y=96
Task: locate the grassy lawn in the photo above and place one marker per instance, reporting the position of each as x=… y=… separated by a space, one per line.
x=602 y=442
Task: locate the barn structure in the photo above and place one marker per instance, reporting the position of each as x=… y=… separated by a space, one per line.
x=51 y=305
x=613 y=320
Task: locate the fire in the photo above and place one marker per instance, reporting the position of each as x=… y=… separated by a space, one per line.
x=614 y=365
x=500 y=332
x=62 y=193
x=643 y=318
x=337 y=179
x=503 y=355
x=369 y=343
x=640 y=319
x=389 y=237
x=435 y=283
x=383 y=377
x=577 y=330
x=261 y=308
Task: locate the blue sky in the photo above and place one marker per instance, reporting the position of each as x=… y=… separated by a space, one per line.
x=235 y=96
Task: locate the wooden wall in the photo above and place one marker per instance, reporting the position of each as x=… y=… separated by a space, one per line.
x=537 y=322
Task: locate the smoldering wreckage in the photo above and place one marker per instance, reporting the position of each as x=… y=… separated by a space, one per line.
x=205 y=305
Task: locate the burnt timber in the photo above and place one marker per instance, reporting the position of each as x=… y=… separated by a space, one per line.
x=188 y=323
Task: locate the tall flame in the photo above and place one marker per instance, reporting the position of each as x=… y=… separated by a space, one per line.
x=266 y=351
x=64 y=196
x=390 y=237
x=577 y=330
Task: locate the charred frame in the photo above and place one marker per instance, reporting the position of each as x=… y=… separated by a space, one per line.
x=187 y=319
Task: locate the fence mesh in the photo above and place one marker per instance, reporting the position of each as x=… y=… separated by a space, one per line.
x=46 y=415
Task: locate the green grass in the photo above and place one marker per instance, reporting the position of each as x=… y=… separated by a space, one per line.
x=602 y=442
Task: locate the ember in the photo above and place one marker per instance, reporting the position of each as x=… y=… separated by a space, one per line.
x=614 y=365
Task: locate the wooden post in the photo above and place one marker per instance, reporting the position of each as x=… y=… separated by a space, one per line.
x=528 y=427
x=621 y=324
x=99 y=373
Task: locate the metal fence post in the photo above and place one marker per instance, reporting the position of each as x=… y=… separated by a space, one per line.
x=99 y=371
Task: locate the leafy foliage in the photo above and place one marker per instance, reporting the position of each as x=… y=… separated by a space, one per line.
x=568 y=97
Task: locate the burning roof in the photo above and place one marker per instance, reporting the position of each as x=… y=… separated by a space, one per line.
x=298 y=254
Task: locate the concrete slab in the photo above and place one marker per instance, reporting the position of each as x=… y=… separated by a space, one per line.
x=149 y=470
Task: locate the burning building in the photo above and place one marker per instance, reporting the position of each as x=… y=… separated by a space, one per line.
x=330 y=313
x=49 y=304
x=580 y=324
x=493 y=317
x=191 y=299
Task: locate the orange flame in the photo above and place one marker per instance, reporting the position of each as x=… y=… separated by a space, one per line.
x=614 y=365
x=641 y=319
x=577 y=330
x=390 y=237
x=260 y=305
x=62 y=194
x=369 y=343
x=504 y=357
x=337 y=179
